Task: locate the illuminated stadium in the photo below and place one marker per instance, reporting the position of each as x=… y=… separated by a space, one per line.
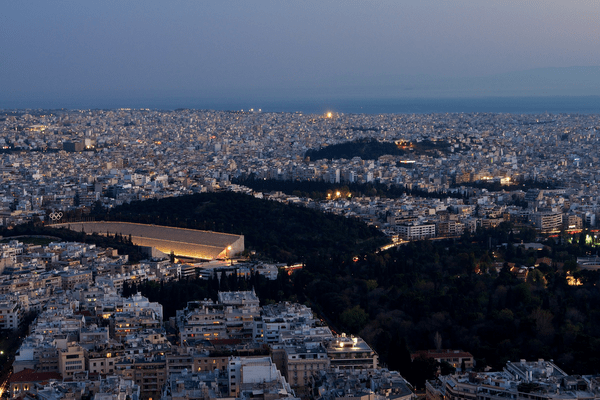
x=189 y=243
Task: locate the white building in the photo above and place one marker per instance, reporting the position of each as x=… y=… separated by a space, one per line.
x=138 y=303
x=11 y=314
x=247 y=375
x=415 y=232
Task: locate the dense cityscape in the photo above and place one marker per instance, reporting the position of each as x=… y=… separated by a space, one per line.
x=57 y=160
x=90 y=331
x=316 y=200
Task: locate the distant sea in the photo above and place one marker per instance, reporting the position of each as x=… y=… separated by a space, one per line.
x=512 y=105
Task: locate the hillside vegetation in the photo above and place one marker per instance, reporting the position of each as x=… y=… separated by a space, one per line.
x=372 y=149
x=283 y=232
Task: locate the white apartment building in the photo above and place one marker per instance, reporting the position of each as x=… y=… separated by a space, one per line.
x=415 y=232
x=546 y=221
x=11 y=314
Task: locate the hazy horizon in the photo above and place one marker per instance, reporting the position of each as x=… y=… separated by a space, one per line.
x=67 y=52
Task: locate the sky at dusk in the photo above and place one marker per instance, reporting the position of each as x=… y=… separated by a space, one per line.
x=128 y=49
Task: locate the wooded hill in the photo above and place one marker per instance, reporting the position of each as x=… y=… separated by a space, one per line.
x=372 y=149
x=287 y=233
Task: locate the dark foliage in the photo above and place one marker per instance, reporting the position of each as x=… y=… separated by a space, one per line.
x=418 y=290
x=372 y=149
x=283 y=232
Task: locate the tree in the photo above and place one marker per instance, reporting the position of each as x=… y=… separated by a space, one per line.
x=437 y=340
x=447 y=369
x=354 y=319
x=422 y=369
x=97 y=208
x=399 y=356
x=126 y=292
x=224 y=282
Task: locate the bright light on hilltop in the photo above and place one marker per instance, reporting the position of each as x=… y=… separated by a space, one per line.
x=329 y=114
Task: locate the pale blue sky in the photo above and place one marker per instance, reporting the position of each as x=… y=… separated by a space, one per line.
x=119 y=49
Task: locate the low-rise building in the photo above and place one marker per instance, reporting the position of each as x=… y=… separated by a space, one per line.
x=302 y=362
x=71 y=360
x=351 y=353
x=25 y=380
x=150 y=374
x=522 y=380
x=257 y=375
